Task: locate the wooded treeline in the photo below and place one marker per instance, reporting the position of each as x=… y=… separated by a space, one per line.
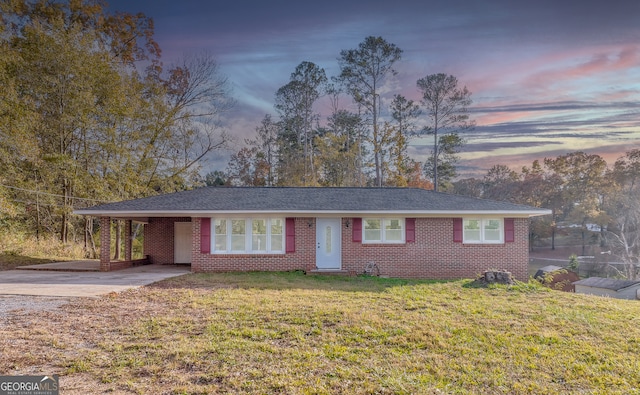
x=364 y=140
x=602 y=201
x=89 y=113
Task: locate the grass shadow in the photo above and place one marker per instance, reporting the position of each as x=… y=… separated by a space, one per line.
x=10 y=260
x=287 y=280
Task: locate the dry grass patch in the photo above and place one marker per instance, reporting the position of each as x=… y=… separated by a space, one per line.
x=17 y=249
x=289 y=333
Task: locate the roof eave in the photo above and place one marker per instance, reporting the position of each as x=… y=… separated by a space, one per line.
x=416 y=213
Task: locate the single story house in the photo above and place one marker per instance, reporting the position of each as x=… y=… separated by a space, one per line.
x=615 y=288
x=403 y=232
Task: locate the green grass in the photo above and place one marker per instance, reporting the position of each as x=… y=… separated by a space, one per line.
x=288 y=333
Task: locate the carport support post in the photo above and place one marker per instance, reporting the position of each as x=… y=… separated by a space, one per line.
x=105 y=244
x=128 y=242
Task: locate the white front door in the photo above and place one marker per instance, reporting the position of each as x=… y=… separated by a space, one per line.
x=182 y=242
x=328 y=243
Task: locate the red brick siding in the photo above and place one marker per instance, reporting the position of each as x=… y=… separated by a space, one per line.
x=105 y=244
x=432 y=255
x=158 y=239
x=435 y=255
x=302 y=259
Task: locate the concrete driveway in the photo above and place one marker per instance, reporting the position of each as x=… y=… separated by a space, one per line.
x=87 y=284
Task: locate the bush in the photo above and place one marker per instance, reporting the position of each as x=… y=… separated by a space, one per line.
x=574 y=263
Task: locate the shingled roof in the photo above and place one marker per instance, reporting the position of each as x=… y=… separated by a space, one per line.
x=607 y=283
x=298 y=200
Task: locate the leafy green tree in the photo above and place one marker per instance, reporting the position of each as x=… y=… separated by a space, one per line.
x=247 y=167
x=339 y=150
x=81 y=122
x=582 y=181
x=449 y=146
x=501 y=183
x=294 y=102
x=216 y=178
x=468 y=187
x=396 y=141
x=446 y=106
x=538 y=189
x=336 y=159
x=267 y=142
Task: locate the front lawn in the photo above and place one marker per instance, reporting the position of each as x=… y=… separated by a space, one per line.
x=289 y=333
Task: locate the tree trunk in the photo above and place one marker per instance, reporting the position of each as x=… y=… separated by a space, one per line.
x=376 y=143
x=94 y=251
x=63 y=217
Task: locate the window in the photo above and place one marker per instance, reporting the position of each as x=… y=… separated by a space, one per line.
x=259 y=235
x=238 y=235
x=220 y=231
x=248 y=235
x=483 y=230
x=372 y=231
x=383 y=230
x=277 y=232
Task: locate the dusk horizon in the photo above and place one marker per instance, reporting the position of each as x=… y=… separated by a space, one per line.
x=546 y=79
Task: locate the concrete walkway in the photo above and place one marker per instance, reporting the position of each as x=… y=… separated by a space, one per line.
x=83 y=284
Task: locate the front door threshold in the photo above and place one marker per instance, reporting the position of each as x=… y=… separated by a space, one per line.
x=329 y=272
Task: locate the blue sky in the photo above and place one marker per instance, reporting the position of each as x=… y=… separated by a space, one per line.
x=548 y=77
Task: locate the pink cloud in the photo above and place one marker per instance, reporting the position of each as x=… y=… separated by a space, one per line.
x=545 y=74
x=500 y=117
x=604 y=62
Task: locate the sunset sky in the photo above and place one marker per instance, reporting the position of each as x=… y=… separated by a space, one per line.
x=548 y=77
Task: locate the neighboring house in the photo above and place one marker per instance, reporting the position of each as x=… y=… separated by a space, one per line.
x=619 y=289
x=403 y=232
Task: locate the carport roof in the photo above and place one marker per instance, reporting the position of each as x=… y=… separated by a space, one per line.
x=303 y=200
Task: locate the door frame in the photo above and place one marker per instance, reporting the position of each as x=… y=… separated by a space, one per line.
x=336 y=243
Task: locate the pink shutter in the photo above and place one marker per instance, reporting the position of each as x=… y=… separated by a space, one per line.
x=457 y=230
x=205 y=235
x=509 y=230
x=290 y=230
x=410 y=230
x=356 y=233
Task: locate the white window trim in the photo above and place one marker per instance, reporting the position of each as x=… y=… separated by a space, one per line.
x=403 y=231
x=482 y=230
x=248 y=241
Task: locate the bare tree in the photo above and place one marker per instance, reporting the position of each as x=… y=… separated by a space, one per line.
x=363 y=71
x=446 y=106
x=623 y=233
x=198 y=94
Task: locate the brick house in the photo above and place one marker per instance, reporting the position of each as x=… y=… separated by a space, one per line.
x=398 y=232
